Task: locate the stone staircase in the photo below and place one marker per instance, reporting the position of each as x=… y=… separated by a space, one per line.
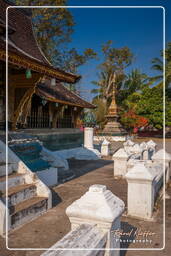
x=29 y=153
x=27 y=196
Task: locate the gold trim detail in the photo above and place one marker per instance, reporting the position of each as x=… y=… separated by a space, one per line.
x=41 y=68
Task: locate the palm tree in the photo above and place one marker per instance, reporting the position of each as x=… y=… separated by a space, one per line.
x=135 y=81
x=107 y=79
x=158 y=66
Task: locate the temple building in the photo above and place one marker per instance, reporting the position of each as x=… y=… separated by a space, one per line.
x=37 y=97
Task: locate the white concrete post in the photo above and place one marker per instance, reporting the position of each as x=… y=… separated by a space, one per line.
x=105 y=148
x=159 y=157
x=88 y=137
x=136 y=150
x=152 y=146
x=140 y=196
x=128 y=145
x=145 y=153
x=99 y=206
x=120 y=158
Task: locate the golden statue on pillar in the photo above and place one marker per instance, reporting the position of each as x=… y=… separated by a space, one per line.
x=113 y=126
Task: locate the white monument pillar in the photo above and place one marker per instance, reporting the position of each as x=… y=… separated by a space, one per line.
x=140 y=191
x=145 y=149
x=88 y=137
x=152 y=146
x=99 y=206
x=136 y=150
x=105 y=148
x=120 y=158
x=128 y=145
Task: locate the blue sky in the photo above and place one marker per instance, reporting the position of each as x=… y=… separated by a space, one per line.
x=139 y=29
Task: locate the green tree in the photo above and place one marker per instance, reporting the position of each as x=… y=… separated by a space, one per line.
x=135 y=81
x=158 y=66
x=53 y=29
x=53 y=26
x=111 y=70
x=70 y=60
x=99 y=111
x=150 y=105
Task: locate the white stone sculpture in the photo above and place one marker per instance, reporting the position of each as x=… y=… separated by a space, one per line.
x=140 y=191
x=128 y=145
x=152 y=148
x=95 y=221
x=98 y=206
x=145 y=150
x=120 y=158
x=105 y=148
x=152 y=144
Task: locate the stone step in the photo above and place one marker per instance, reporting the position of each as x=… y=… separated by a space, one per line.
x=20 y=193
x=28 y=210
x=14 y=179
x=11 y=168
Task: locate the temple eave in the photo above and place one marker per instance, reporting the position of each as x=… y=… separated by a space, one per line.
x=25 y=62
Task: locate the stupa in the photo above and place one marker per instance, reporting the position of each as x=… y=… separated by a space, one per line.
x=113 y=126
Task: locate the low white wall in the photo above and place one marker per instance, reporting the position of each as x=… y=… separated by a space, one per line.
x=164 y=158
x=78 y=153
x=48 y=176
x=110 y=138
x=80 y=237
x=55 y=159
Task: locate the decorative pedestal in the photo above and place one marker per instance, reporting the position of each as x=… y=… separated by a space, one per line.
x=120 y=162
x=140 y=192
x=105 y=148
x=99 y=206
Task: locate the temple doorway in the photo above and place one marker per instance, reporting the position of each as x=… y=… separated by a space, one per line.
x=39 y=113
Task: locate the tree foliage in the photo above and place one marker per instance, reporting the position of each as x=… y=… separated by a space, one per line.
x=111 y=70
x=131 y=120
x=135 y=81
x=53 y=28
x=158 y=66
x=70 y=60
x=139 y=98
x=100 y=112
x=150 y=105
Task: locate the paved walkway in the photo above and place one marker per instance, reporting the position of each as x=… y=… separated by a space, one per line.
x=52 y=226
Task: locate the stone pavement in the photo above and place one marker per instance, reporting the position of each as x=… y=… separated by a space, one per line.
x=52 y=226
